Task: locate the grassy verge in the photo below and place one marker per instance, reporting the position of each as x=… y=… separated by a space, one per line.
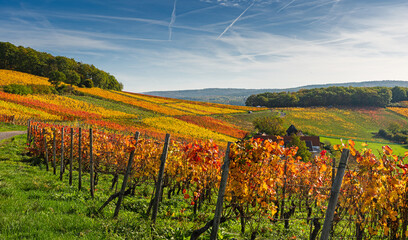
x=4 y=127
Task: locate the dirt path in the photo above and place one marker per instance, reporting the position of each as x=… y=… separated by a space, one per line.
x=5 y=135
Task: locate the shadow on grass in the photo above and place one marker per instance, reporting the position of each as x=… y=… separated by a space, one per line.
x=32 y=160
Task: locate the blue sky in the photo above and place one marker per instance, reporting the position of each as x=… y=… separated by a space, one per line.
x=190 y=44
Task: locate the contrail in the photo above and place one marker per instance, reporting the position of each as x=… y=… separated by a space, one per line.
x=172 y=20
x=287 y=5
x=236 y=19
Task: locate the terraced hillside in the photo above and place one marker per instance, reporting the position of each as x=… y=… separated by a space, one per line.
x=122 y=111
x=155 y=116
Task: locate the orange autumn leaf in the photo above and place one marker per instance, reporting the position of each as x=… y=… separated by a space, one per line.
x=351 y=142
x=387 y=150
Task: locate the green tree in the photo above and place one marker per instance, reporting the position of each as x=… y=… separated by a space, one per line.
x=88 y=83
x=303 y=150
x=399 y=94
x=56 y=78
x=44 y=64
x=73 y=77
x=271 y=125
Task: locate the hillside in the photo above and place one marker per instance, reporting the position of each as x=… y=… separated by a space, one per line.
x=237 y=96
x=187 y=120
x=122 y=111
x=59 y=68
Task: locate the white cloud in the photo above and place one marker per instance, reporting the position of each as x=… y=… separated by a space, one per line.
x=359 y=49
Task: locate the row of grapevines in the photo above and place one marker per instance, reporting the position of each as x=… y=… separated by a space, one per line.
x=258 y=174
x=266 y=180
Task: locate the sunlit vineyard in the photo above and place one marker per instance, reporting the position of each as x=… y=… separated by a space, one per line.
x=132 y=101
x=215 y=125
x=83 y=106
x=269 y=189
x=399 y=110
x=118 y=111
x=267 y=184
x=14 y=77
x=14 y=109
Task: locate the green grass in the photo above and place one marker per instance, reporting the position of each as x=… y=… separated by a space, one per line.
x=4 y=127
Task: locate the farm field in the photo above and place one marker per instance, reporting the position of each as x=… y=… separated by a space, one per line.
x=14 y=77
x=121 y=111
x=155 y=116
x=347 y=123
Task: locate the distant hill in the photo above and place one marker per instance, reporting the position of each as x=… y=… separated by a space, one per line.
x=237 y=96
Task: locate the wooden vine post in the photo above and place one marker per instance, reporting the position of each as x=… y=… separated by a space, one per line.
x=54 y=150
x=159 y=183
x=333 y=170
x=91 y=163
x=334 y=194
x=62 y=154
x=79 y=158
x=34 y=136
x=282 y=213
x=71 y=155
x=221 y=194
x=28 y=132
x=45 y=150
x=125 y=178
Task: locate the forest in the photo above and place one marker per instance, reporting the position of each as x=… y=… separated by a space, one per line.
x=331 y=96
x=62 y=68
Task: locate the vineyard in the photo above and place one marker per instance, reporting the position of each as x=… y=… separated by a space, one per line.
x=266 y=186
x=121 y=111
x=188 y=165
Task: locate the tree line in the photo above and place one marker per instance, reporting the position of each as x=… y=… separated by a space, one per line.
x=58 y=68
x=331 y=96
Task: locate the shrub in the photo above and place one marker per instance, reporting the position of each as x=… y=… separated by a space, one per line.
x=88 y=83
x=271 y=125
x=303 y=151
x=42 y=89
x=65 y=89
x=17 y=89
